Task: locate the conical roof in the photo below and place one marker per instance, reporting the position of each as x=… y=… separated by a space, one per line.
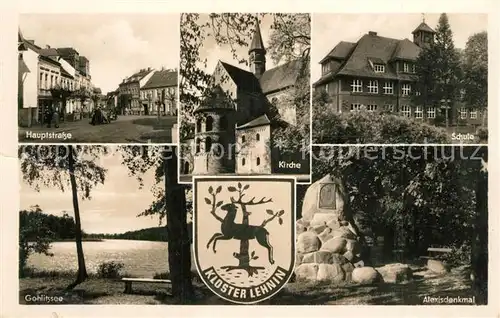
x=257 y=43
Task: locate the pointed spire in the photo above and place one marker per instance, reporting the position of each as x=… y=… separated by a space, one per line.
x=257 y=43
x=423 y=17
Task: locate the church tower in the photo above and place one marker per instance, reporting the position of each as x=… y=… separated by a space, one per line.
x=423 y=35
x=257 y=54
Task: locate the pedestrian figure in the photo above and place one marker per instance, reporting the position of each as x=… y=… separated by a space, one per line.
x=48 y=115
x=55 y=117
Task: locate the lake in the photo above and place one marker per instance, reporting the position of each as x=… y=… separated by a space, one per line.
x=140 y=258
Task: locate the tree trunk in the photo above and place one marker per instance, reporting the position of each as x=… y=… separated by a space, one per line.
x=82 y=270
x=389 y=236
x=244 y=257
x=479 y=257
x=179 y=251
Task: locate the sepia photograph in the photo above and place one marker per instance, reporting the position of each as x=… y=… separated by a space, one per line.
x=98 y=78
x=400 y=78
x=245 y=95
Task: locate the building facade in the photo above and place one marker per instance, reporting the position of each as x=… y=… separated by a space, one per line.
x=159 y=94
x=378 y=74
x=27 y=82
x=234 y=124
x=130 y=92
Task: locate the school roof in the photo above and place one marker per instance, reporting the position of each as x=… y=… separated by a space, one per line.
x=162 y=78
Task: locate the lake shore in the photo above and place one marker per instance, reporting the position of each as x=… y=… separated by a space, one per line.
x=111 y=291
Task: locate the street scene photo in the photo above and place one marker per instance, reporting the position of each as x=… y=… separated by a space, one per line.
x=98 y=78
x=245 y=95
x=400 y=78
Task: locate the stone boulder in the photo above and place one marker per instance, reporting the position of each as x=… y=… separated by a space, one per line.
x=437 y=266
x=330 y=273
x=335 y=245
x=365 y=275
x=307 y=271
x=395 y=273
x=308 y=242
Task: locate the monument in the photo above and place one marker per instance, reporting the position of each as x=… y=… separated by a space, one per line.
x=328 y=246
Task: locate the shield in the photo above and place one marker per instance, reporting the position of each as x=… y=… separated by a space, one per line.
x=244 y=235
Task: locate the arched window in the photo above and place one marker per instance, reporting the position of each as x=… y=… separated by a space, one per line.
x=258 y=161
x=198 y=125
x=257 y=137
x=209 y=124
x=186 y=167
x=208 y=144
x=243 y=161
x=243 y=139
x=197 y=145
x=223 y=123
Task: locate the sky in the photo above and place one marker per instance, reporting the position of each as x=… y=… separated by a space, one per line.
x=117 y=45
x=114 y=206
x=329 y=29
x=213 y=52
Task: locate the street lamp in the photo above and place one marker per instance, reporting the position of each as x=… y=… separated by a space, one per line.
x=445 y=105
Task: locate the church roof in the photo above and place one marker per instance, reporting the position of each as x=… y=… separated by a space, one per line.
x=281 y=76
x=215 y=98
x=423 y=27
x=245 y=80
x=259 y=121
x=257 y=43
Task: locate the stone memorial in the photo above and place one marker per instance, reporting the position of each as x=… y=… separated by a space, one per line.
x=328 y=246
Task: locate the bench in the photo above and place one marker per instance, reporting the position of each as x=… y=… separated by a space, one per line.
x=431 y=250
x=128 y=282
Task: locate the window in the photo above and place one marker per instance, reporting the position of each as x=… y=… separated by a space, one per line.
x=198 y=125
x=357 y=86
x=355 y=107
x=413 y=70
x=243 y=161
x=325 y=68
x=473 y=114
x=327 y=88
x=419 y=113
x=46 y=85
x=209 y=123
x=258 y=161
x=371 y=107
x=406 y=67
x=389 y=107
x=243 y=139
x=41 y=80
x=405 y=110
x=379 y=68
x=257 y=137
x=417 y=93
x=389 y=88
x=197 y=145
x=463 y=113
x=405 y=89
x=431 y=112
x=373 y=87
x=208 y=144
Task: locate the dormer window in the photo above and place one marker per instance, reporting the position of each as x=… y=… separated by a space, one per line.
x=379 y=68
x=408 y=68
x=325 y=68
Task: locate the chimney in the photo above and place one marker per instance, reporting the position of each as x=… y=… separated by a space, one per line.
x=372 y=33
x=149 y=68
x=47 y=46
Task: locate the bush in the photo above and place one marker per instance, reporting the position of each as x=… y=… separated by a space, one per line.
x=482 y=134
x=459 y=256
x=109 y=270
x=372 y=127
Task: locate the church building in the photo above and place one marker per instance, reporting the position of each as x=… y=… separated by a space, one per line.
x=236 y=120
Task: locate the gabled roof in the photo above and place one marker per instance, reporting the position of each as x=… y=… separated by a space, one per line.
x=259 y=121
x=245 y=80
x=423 y=27
x=49 y=52
x=31 y=45
x=66 y=74
x=163 y=78
x=137 y=76
x=257 y=43
x=66 y=51
x=340 y=51
x=215 y=98
x=49 y=60
x=282 y=76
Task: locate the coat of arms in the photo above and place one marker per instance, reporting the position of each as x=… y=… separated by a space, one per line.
x=244 y=241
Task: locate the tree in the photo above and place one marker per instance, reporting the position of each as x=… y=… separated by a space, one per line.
x=290 y=39
x=169 y=205
x=476 y=72
x=62 y=166
x=438 y=69
x=243 y=256
x=82 y=94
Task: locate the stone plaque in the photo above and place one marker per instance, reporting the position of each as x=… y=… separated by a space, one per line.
x=327 y=196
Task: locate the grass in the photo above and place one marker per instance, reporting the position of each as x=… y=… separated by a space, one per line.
x=110 y=291
x=164 y=122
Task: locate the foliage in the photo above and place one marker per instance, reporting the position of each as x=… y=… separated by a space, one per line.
x=476 y=71
x=61 y=227
x=437 y=68
x=289 y=39
x=363 y=127
x=35 y=236
x=110 y=269
x=426 y=195
x=159 y=234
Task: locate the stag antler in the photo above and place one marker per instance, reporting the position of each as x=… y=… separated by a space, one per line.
x=251 y=202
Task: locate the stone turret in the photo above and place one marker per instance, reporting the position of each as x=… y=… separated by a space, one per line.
x=257 y=54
